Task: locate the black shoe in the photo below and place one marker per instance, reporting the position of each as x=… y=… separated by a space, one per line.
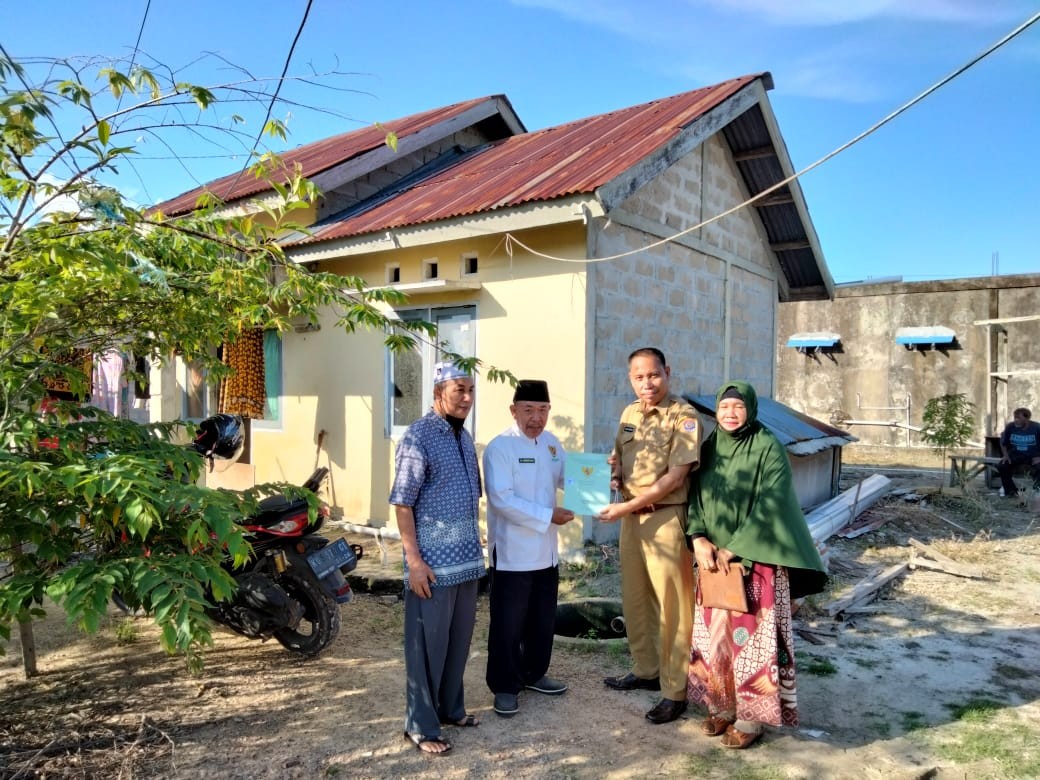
x=666 y=710
x=631 y=683
x=506 y=704
x=548 y=686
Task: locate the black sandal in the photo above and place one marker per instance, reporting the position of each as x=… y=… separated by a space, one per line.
x=419 y=740
x=468 y=721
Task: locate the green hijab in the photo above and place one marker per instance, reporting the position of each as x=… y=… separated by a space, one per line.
x=742 y=498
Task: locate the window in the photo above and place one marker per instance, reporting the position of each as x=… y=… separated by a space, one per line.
x=393 y=274
x=199 y=398
x=469 y=265
x=429 y=269
x=272 y=381
x=410 y=374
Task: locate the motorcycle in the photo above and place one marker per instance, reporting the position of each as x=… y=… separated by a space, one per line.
x=291 y=586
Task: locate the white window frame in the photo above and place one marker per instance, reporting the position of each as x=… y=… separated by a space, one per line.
x=429 y=355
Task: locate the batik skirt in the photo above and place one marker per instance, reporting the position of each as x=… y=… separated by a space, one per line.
x=742 y=665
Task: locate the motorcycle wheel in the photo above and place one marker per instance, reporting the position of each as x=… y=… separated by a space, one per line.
x=320 y=622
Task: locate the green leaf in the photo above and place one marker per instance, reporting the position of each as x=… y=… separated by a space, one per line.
x=118 y=82
x=202 y=96
x=103 y=131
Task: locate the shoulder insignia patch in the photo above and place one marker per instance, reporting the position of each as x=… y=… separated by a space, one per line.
x=689 y=425
x=552 y=450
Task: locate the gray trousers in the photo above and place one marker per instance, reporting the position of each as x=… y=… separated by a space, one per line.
x=437 y=634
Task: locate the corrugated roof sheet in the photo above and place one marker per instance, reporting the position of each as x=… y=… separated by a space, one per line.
x=569 y=159
x=313 y=158
x=799 y=433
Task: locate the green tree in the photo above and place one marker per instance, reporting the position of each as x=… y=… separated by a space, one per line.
x=948 y=423
x=90 y=503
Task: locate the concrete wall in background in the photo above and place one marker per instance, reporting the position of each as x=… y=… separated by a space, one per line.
x=870 y=379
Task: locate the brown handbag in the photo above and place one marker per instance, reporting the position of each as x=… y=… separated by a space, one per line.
x=717 y=590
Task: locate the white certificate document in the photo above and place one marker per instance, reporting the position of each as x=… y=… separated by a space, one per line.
x=586 y=482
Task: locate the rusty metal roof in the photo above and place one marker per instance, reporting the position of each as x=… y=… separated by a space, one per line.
x=576 y=158
x=569 y=159
x=313 y=158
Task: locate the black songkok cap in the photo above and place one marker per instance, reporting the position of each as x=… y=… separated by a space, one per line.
x=534 y=390
x=732 y=392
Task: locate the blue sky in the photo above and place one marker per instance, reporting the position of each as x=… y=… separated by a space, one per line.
x=935 y=194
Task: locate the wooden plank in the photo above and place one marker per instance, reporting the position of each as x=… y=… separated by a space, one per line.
x=947 y=568
x=866 y=589
x=863 y=529
x=955 y=525
x=931 y=551
x=941 y=562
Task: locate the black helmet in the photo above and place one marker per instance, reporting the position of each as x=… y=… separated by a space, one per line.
x=220 y=436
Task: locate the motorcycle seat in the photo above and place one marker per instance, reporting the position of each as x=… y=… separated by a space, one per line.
x=278 y=503
x=275 y=508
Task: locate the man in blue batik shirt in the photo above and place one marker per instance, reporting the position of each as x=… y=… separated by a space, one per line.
x=435 y=496
x=1020 y=444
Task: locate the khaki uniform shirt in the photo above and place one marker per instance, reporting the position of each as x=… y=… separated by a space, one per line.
x=650 y=443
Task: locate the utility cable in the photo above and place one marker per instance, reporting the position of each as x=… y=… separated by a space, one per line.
x=137 y=46
x=274 y=97
x=511 y=239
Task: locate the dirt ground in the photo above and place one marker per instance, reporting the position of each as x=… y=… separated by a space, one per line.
x=938 y=678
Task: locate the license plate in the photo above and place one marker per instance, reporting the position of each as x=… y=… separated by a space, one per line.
x=328 y=559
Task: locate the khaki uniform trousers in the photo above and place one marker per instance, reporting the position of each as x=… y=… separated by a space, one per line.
x=657 y=596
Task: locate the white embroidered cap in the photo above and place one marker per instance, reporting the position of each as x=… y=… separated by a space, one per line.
x=447 y=371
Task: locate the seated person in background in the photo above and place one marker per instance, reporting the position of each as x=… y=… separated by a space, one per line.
x=1020 y=443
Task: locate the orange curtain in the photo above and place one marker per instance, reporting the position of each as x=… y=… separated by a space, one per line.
x=243 y=392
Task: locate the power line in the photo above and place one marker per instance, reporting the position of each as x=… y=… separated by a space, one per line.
x=137 y=45
x=511 y=239
x=274 y=97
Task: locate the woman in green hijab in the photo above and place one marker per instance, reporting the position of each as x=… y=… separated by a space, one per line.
x=744 y=512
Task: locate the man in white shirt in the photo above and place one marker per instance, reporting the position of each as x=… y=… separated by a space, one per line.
x=523 y=467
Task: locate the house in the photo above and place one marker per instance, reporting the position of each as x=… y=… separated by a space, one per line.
x=871 y=358
x=551 y=253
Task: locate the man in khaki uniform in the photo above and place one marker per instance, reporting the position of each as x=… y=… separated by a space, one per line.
x=657 y=445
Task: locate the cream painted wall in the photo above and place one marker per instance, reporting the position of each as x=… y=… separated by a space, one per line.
x=530 y=320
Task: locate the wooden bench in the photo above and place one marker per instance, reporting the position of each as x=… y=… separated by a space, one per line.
x=964 y=468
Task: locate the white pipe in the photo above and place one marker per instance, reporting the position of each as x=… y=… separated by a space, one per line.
x=896 y=424
x=379 y=533
x=827 y=519
x=369 y=530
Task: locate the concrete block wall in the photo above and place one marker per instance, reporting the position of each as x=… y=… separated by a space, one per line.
x=674 y=296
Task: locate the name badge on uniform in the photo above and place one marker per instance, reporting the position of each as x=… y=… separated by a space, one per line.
x=628 y=428
x=527 y=460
